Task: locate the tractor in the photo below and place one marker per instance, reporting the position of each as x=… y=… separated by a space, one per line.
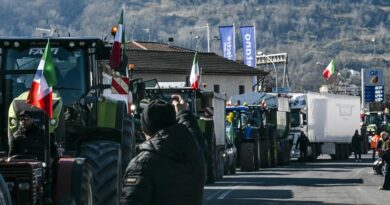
x=261 y=124
x=90 y=125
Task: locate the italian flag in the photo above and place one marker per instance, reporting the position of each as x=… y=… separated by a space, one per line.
x=41 y=90
x=118 y=49
x=195 y=76
x=329 y=70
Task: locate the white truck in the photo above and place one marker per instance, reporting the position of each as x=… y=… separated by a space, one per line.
x=328 y=120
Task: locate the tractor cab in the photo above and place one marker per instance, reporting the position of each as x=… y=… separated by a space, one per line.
x=83 y=120
x=19 y=60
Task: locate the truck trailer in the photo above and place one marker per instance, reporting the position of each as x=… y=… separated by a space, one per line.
x=328 y=120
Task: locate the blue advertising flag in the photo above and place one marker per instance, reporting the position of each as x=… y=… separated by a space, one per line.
x=227 y=42
x=249 y=45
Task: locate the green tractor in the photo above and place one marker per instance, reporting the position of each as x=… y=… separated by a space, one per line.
x=91 y=125
x=262 y=126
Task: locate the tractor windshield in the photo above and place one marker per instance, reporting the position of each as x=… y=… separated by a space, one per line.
x=21 y=65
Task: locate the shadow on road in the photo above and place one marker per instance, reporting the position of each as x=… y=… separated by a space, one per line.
x=285 y=181
x=239 y=201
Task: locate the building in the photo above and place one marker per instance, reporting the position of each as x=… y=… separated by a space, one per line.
x=168 y=63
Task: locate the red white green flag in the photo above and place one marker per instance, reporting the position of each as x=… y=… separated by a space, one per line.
x=41 y=90
x=118 y=48
x=329 y=70
x=195 y=76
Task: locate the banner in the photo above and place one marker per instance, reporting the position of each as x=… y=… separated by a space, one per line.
x=227 y=42
x=249 y=45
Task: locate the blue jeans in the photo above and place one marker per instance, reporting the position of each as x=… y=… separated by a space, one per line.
x=386 y=173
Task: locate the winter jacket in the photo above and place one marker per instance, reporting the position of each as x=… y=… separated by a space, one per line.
x=356 y=141
x=169 y=170
x=302 y=142
x=386 y=151
x=30 y=143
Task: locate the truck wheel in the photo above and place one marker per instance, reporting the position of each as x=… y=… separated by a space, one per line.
x=5 y=198
x=247 y=157
x=104 y=158
x=232 y=167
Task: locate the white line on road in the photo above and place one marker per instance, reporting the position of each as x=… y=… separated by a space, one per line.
x=227 y=192
x=212 y=195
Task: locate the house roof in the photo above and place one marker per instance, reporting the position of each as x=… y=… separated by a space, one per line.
x=154 y=46
x=162 y=58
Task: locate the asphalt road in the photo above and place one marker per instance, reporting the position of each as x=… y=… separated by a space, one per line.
x=321 y=182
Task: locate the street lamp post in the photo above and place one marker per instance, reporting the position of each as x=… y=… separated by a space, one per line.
x=273 y=64
x=345 y=82
x=207 y=33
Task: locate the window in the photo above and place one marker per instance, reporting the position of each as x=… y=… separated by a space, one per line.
x=216 y=88
x=241 y=89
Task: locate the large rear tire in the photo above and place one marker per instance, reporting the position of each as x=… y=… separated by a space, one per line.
x=247 y=156
x=5 y=198
x=104 y=158
x=128 y=141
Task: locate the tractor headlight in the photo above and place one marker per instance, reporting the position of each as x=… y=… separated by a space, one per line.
x=71 y=44
x=13 y=122
x=53 y=121
x=24 y=186
x=132 y=107
x=16 y=44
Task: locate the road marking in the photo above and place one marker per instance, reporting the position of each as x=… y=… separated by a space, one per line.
x=212 y=195
x=227 y=192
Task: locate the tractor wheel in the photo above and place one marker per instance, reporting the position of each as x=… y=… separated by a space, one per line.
x=104 y=158
x=5 y=198
x=219 y=161
x=211 y=162
x=78 y=178
x=247 y=156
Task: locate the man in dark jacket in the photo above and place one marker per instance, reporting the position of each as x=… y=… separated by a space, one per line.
x=385 y=154
x=356 y=145
x=28 y=141
x=169 y=170
x=302 y=143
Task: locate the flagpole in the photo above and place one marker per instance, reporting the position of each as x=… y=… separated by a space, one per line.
x=234 y=41
x=255 y=86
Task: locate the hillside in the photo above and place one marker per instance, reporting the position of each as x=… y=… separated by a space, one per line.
x=353 y=32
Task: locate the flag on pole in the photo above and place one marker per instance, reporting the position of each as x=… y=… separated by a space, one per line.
x=118 y=52
x=41 y=90
x=195 y=76
x=329 y=70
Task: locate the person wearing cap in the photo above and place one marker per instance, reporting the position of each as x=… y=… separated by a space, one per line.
x=385 y=154
x=170 y=168
x=28 y=140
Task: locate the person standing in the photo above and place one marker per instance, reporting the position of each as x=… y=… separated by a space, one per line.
x=302 y=143
x=170 y=168
x=385 y=154
x=356 y=145
x=374 y=141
